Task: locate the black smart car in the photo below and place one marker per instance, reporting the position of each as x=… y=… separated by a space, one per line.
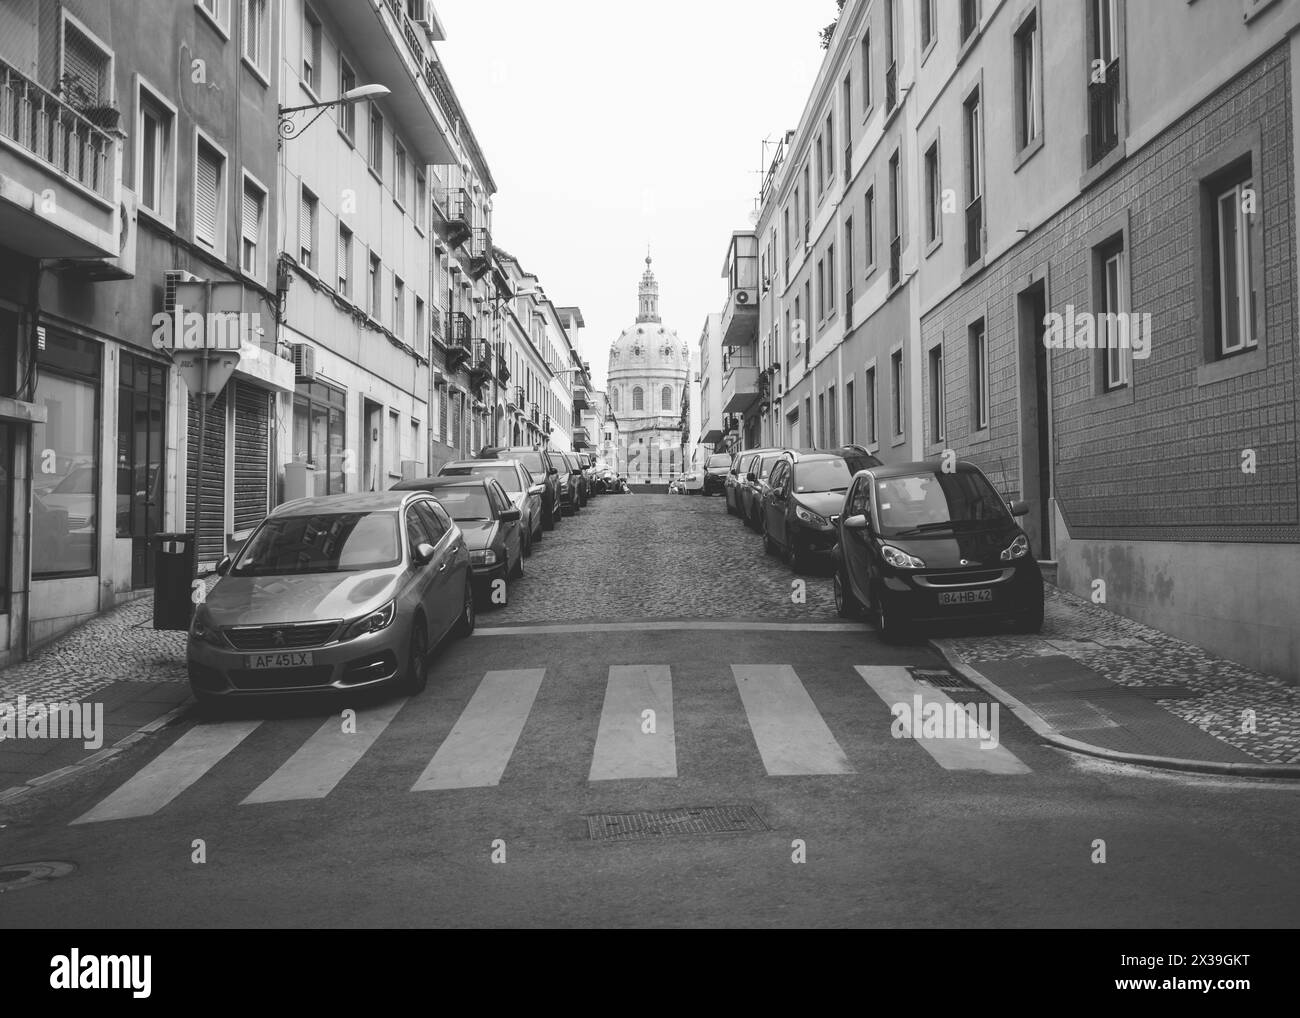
x=918 y=544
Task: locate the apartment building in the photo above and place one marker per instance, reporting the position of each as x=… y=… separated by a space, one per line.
x=1060 y=240
x=711 y=421
x=123 y=159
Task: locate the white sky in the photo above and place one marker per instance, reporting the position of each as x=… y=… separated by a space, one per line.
x=609 y=125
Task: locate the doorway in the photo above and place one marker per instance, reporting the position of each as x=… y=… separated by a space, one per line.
x=141 y=413
x=1035 y=419
x=371 y=423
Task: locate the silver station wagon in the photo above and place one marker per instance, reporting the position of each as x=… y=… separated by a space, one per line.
x=340 y=592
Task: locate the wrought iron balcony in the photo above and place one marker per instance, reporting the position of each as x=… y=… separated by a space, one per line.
x=546 y=423
x=458 y=213
x=975 y=230
x=480 y=252
x=459 y=339
x=503 y=372
x=1103 y=113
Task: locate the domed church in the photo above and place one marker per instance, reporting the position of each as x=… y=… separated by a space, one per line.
x=648 y=371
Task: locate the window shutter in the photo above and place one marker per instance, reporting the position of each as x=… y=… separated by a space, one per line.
x=252 y=213
x=206 y=180
x=84 y=62
x=304 y=220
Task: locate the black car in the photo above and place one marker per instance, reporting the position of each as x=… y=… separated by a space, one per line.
x=918 y=544
x=490 y=523
x=805 y=490
x=716 y=468
x=571 y=482
x=545 y=467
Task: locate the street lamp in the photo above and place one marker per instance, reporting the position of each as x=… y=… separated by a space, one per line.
x=289 y=126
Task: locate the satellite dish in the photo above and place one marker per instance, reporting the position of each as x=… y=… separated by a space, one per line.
x=753 y=217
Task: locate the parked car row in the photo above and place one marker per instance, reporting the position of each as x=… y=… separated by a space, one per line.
x=350 y=592
x=908 y=544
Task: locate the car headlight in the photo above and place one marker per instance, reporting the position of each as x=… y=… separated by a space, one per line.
x=483 y=558
x=808 y=516
x=900 y=559
x=201 y=629
x=1019 y=549
x=382 y=618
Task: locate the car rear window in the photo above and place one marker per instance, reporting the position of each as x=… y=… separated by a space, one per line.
x=720 y=460
x=504 y=473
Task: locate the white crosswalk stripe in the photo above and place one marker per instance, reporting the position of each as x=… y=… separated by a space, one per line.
x=789 y=732
x=172 y=771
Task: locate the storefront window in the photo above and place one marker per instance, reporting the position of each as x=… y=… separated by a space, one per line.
x=6 y=502
x=319 y=434
x=65 y=483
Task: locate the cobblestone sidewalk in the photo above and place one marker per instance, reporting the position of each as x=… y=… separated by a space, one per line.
x=1131 y=654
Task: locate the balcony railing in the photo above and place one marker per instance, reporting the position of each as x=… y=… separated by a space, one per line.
x=503 y=372
x=460 y=340
x=975 y=230
x=891 y=87
x=458 y=208
x=895 y=261
x=1103 y=113
x=48 y=128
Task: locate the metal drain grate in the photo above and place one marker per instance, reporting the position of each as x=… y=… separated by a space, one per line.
x=667 y=823
x=941 y=678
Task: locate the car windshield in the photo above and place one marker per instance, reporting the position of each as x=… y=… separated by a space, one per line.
x=321 y=543
x=507 y=475
x=465 y=503
x=532 y=461
x=938 y=501
x=822 y=475
x=721 y=461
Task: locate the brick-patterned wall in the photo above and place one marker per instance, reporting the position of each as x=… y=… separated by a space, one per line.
x=1165 y=464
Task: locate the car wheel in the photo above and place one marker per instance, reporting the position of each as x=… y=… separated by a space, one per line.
x=417 y=658
x=792 y=557
x=730 y=510
x=548 y=520
x=465 y=624
x=892 y=629
x=769 y=545
x=538 y=534
x=519 y=567
x=847 y=605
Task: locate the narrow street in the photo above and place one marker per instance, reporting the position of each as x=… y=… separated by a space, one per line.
x=501 y=795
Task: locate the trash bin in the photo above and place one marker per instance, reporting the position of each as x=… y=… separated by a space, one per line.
x=173 y=603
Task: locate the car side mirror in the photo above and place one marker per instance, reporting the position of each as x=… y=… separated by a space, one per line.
x=510 y=515
x=752 y=477
x=857 y=522
x=224 y=565
x=1019 y=507
x=537 y=489
x=423 y=553
x=554 y=471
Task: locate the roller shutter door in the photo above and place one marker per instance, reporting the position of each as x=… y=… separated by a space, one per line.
x=252 y=455
x=212 y=542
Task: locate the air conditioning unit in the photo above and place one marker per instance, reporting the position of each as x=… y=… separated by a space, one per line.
x=304 y=362
x=172 y=278
x=742 y=297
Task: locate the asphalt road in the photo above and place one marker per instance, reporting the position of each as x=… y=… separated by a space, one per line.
x=472 y=804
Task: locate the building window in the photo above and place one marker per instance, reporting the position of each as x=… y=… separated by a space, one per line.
x=933 y=197
x=848 y=273
x=345 y=261
x=311 y=50
x=970 y=17
x=830 y=145
x=927 y=24
x=419 y=325
x=821 y=168
x=979 y=376
x=666 y=398
x=1111 y=328
x=155 y=154
x=866 y=70
x=348 y=111
x=613 y=400
x=252 y=227
x=785 y=235
x=1103 y=78
x=821 y=289
x=87 y=75
x=832 y=424
x=209 y=196
x=807 y=207
x=1236 y=277
x=1029 y=101
x=936 y=394
x=847 y=101
x=850 y=429
x=376 y=140
x=830 y=279
x=399 y=308
x=307 y=229
x=895 y=221
x=869 y=229
x=218 y=11
x=399 y=172
x=65 y=485
x=421 y=200
x=255 y=33
x=638 y=398
x=376 y=283
x=896 y=391
x=319 y=433
x=869 y=390
x=974 y=117
x=819 y=439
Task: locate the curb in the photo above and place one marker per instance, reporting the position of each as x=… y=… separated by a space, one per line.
x=17 y=792
x=1049 y=734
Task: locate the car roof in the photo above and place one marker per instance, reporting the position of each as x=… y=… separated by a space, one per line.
x=922 y=467
x=359 y=501
x=429 y=483
x=478 y=464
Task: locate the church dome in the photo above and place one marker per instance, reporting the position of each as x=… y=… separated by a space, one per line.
x=648 y=346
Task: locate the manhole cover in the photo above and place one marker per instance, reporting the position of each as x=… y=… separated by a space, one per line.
x=26 y=874
x=941 y=678
x=667 y=823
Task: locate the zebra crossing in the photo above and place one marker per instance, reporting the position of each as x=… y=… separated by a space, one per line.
x=636 y=737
